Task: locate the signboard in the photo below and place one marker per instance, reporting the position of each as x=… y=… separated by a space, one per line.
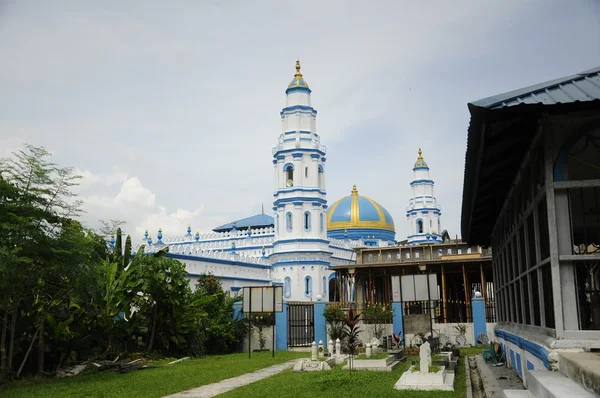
x=262 y=299
x=421 y=287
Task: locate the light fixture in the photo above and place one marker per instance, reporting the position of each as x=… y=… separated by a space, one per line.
x=422 y=267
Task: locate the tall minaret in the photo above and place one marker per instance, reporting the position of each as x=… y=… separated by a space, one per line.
x=301 y=252
x=423 y=213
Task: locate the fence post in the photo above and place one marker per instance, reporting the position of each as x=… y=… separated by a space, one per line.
x=478 y=311
x=397 y=307
x=320 y=324
x=281 y=331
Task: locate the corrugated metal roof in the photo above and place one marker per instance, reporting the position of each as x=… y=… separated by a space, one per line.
x=256 y=221
x=584 y=86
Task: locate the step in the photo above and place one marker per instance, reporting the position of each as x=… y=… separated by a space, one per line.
x=581 y=367
x=547 y=384
x=517 y=394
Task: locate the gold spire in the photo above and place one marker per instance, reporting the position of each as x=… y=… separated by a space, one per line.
x=298 y=74
x=354 y=190
x=420 y=163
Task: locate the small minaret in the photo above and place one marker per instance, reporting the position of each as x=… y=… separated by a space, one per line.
x=301 y=250
x=423 y=213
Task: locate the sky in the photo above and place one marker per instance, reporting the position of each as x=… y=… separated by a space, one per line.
x=169 y=110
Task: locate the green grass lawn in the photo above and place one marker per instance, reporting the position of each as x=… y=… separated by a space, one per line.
x=151 y=382
x=340 y=383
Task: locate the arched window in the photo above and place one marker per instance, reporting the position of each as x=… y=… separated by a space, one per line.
x=277 y=224
x=288 y=222
x=320 y=176
x=287 y=287
x=321 y=222
x=439 y=226
x=324 y=286
x=430 y=223
x=306 y=172
x=419 y=226
x=288 y=175
x=307 y=221
x=308 y=286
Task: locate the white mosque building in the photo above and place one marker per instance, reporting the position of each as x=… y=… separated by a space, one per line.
x=301 y=245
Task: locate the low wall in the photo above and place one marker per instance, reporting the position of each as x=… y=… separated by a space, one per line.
x=254 y=344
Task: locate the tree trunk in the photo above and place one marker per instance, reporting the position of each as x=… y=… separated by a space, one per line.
x=153 y=329
x=41 y=344
x=13 y=331
x=27 y=353
x=3 y=342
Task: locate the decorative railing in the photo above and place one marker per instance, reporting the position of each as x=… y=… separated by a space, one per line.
x=196 y=252
x=416 y=253
x=221 y=235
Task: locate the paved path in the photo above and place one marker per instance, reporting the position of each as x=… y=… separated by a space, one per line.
x=210 y=390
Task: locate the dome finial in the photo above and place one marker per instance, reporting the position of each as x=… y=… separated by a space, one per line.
x=354 y=190
x=298 y=74
x=420 y=154
x=420 y=163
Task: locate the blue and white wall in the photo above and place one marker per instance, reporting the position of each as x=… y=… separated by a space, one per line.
x=301 y=253
x=423 y=212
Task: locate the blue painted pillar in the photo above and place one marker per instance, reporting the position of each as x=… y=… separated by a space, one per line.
x=281 y=332
x=397 y=321
x=478 y=309
x=237 y=311
x=320 y=324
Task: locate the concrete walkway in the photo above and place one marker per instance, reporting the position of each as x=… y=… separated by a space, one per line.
x=210 y=390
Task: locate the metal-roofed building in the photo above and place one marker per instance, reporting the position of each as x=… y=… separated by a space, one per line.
x=532 y=192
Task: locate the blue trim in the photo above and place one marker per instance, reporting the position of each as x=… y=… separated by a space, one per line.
x=298 y=90
x=298 y=203
x=288 y=166
x=214 y=260
x=297 y=155
x=293 y=139
x=289 y=222
x=413 y=211
x=299 y=189
x=300 y=199
x=530 y=365
x=274 y=161
x=307 y=221
x=304 y=150
x=294 y=132
x=414 y=182
x=512 y=358
x=307 y=284
x=397 y=323
x=300 y=240
x=298 y=108
x=233 y=278
x=236 y=288
x=537 y=350
x=296 y=262
x=362 y=233
x=280 y=157
x=287 y=287
x=519 y=366
x=323 y=159
x=422 y=229
x=420 y=168
x=281 y=325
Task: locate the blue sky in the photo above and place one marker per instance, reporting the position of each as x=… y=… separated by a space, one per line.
x=170 y=110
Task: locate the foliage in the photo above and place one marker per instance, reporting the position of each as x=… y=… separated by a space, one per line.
x=377 y=314
x=65 y=297
x=335 y=315
x=461 y=328
x=259 y=321
x=219 y=332
x=351 y=331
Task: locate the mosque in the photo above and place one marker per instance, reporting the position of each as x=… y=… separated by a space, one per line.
x=304 y=241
